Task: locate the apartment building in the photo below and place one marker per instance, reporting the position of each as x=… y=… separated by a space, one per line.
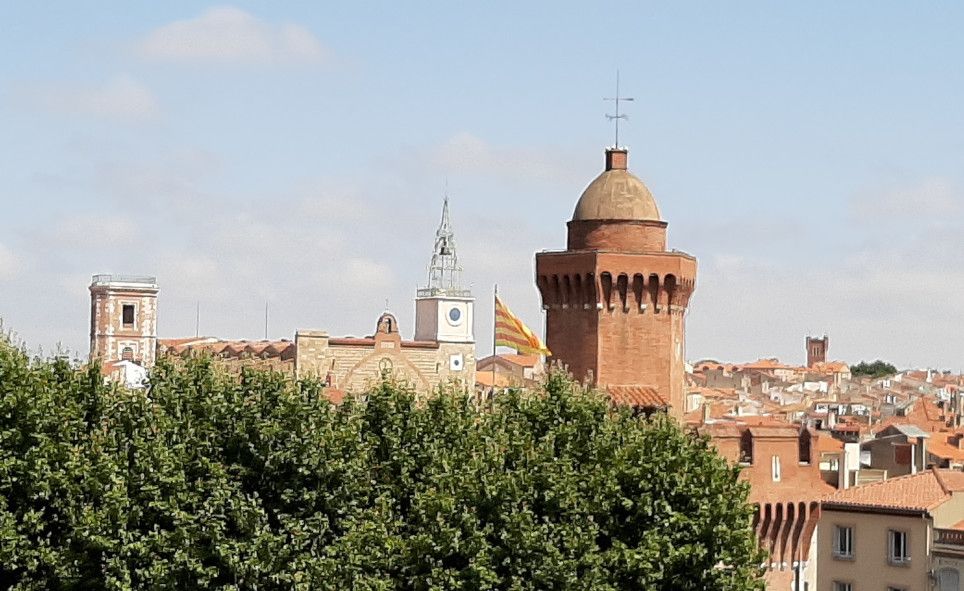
x=902 y=534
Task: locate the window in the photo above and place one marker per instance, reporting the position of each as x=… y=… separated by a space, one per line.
x=775 y=467
x=127 y=354
x=843 y=542
x=897 y=550
x=841 y=586
x=128 y=313
x=948 y=579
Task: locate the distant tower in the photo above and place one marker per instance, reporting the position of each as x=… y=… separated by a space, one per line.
x=443 y=309
x=123 y=318
x=616 y=299
x=817 y=350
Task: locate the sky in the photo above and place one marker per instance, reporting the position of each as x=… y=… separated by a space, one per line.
x=297 y=153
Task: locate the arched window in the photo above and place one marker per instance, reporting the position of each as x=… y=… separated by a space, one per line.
x=127 y=354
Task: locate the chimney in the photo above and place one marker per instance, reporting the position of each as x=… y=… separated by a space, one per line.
x=843 y=474
x=616 y=158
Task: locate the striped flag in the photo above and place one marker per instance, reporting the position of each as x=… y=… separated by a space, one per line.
x=511 y=332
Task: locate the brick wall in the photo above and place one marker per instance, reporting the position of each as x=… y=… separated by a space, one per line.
x=110 y=336
x=619 y=316
x=356 y=364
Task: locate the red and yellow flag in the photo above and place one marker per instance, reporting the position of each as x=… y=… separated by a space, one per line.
x=511 y=332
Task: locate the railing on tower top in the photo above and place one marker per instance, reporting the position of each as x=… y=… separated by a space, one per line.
x=428 y=292
x=109 y=278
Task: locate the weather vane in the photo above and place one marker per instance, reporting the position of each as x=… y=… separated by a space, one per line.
x=616 y=100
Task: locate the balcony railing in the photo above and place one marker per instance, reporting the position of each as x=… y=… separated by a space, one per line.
x=949 y=537
x=429 y=292
x=105 y=279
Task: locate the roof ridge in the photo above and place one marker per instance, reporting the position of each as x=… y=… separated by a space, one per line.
x=940 y=480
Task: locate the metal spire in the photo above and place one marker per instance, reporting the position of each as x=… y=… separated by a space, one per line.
x=616 y=99
x=444 y=272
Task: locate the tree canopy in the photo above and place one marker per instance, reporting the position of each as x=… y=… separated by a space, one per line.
x=877 y=369
x=207 y=480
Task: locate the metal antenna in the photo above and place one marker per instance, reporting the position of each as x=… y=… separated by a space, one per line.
x=616 y=100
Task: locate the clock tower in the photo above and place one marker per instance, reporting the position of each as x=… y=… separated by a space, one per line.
x=444 y=308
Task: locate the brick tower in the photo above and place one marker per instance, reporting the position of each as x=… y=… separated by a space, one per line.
x=616 y=299
x=817 y=350
x=123 y=318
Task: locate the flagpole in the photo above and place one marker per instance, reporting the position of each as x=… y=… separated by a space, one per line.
x=495 y=299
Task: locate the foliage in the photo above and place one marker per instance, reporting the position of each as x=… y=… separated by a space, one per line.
x=877 y=369
x=208 y=481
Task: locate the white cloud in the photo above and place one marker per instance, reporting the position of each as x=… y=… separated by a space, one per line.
x=104 y=230
x=121 y=98
x=468 y=154
x=932 y=198
x=229 y=35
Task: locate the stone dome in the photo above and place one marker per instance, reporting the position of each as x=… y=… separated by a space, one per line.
x=616 y=194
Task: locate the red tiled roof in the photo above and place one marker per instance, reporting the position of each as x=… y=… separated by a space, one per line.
x=827 y=444
x=831 y=367
x=284 y=349
x=484 y=378
x=334 y=395
x=637 y=395
x=522 y=360
x=778 y=430
x=943 y=445
x=915 y=492
x=370 y=342
x=183 y=341
x=767 y=364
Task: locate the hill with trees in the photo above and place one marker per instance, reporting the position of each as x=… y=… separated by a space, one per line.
x=876 y=369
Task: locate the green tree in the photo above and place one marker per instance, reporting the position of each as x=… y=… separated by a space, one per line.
x=877 y=369
x=212 y=481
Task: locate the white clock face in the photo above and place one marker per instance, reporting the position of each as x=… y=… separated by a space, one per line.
x=455 y=362
x=455 y=316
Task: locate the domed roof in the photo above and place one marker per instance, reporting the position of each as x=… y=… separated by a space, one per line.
x=616 y=194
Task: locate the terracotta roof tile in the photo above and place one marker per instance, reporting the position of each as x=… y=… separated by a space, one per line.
x=522 y=360
x=943 y=446
x=778 y=430
x=637 y=395
x=917 y=492
x=484 y=378
x=282 y=348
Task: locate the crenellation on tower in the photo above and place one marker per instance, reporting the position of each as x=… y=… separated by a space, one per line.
x=817 y=350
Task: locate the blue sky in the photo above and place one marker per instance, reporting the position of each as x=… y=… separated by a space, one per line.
x=809 y=154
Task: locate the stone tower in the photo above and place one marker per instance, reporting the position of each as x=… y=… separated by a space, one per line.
x=123 y=318
x=616 y=299
x=444 y=308
x=817 y=350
